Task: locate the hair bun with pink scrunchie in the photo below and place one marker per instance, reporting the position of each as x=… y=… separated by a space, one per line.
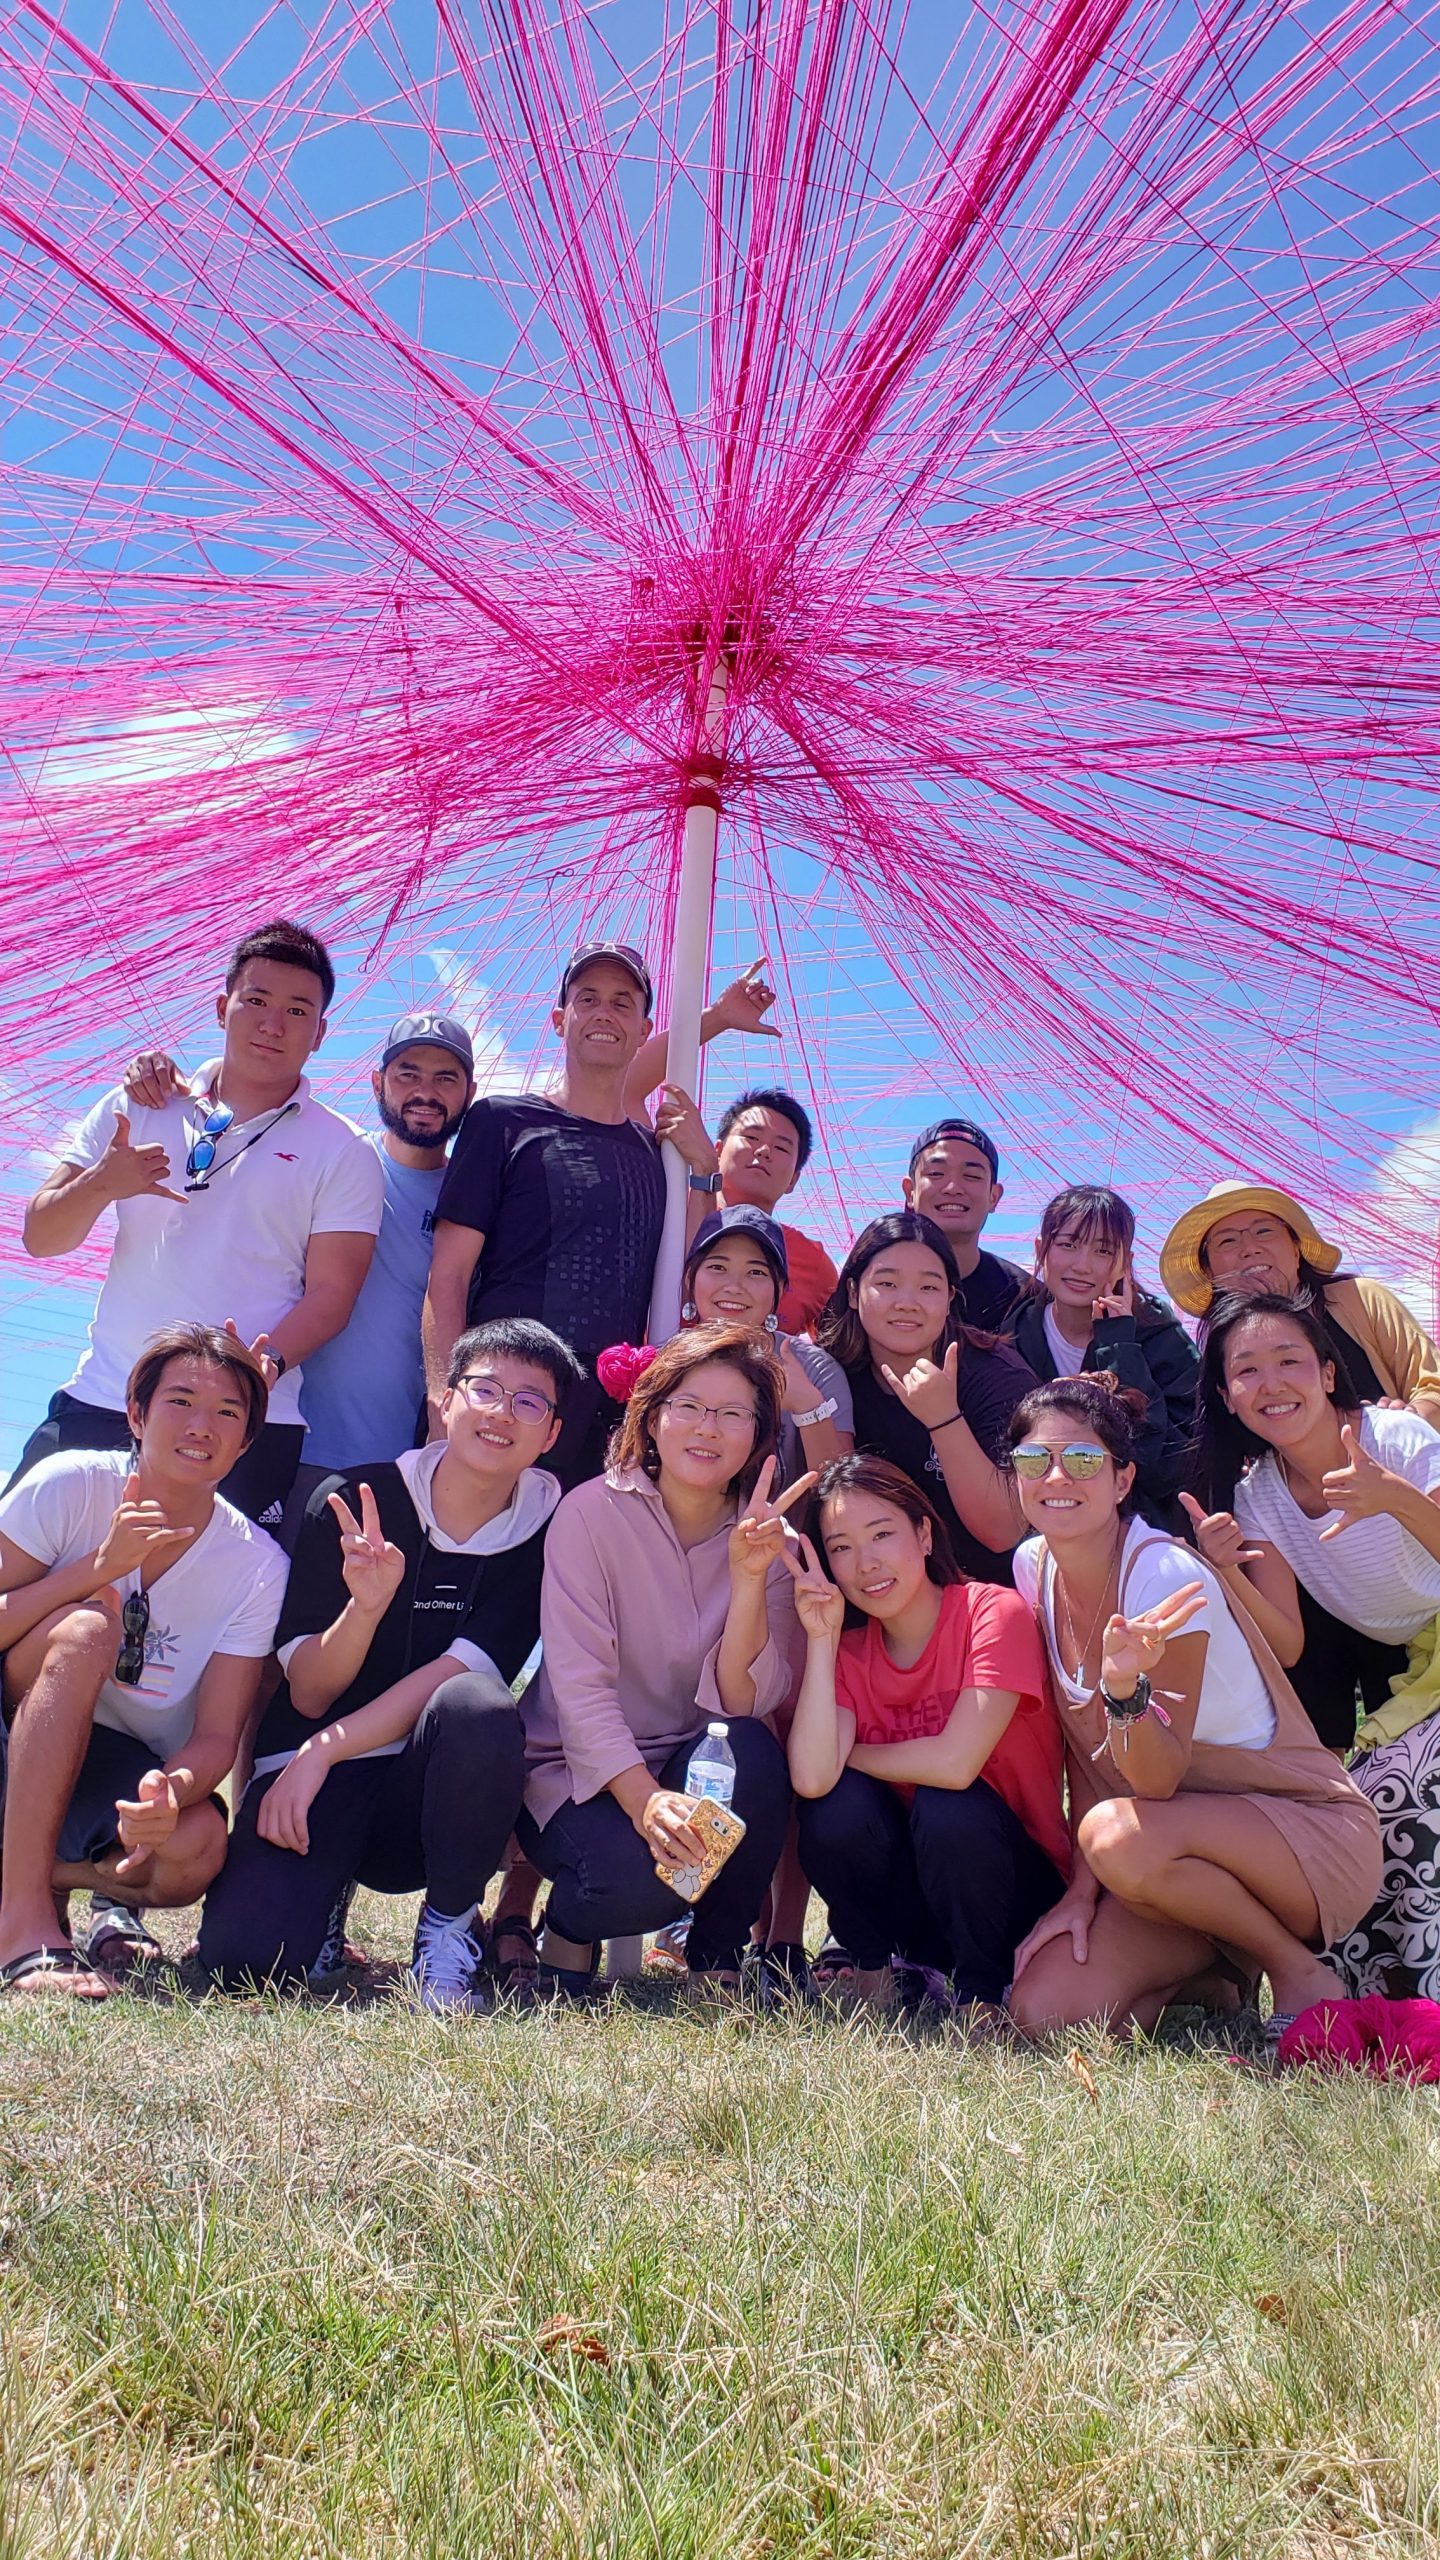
x=618 y=1368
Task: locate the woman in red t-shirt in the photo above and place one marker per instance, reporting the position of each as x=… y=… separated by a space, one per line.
x=924 y=1753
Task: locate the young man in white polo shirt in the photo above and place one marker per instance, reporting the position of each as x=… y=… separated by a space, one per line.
x=247 y=1200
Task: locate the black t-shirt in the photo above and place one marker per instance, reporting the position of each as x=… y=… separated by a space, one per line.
x=990 y=1385
x=571 y=1212
x=493 y=1601
x=990 y=1291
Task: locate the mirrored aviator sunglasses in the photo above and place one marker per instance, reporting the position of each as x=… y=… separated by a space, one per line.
x=1080 y=1459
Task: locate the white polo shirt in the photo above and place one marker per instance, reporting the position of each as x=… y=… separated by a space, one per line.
x=236 y=1248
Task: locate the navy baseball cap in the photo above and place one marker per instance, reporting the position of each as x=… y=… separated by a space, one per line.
x=623 y=952
x=969 y=1135
x=746 y=1220
x=429 y=1031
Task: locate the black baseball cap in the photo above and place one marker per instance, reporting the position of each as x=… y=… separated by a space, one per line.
x=746 y=1220
x=429 y=1031
x=623 y=952
x=969 y=1135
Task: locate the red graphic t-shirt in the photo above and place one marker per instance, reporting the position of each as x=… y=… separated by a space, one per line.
x=985 y=1638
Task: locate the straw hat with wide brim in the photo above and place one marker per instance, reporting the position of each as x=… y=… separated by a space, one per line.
x=1183 y=1272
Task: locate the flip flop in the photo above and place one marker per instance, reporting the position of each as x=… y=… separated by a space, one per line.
x=83 y=1981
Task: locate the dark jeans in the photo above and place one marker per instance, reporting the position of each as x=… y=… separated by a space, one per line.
x=952 y=1879
x=257 y=1484
x=603 y=1880
x=435 y=1816
x=1337 y=1664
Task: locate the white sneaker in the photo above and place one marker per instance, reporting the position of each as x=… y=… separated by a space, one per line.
x=445 y=1965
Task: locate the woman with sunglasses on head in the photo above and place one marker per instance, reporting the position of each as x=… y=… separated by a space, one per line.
x=1211 y=1828
x=1083 y=1312
x=924 y=1754
x=391 y=1754
x=666 y=1604
x=930 y=1393
x=137 y=1607
x=1308 y=1490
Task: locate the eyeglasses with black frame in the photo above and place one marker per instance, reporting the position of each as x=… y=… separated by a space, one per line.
x=1080 y=1459
x=486 y=1395
x=134 y=1626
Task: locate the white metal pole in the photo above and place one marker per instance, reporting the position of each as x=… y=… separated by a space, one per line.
x=687 y=995
x=625 y=1957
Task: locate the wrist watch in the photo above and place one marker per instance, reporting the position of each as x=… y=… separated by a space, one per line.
x=280 y=1364
x=822 y=1413
x=709 y=1182
x=1127 y=1710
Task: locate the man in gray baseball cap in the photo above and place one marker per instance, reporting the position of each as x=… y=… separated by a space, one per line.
x=363 y=1392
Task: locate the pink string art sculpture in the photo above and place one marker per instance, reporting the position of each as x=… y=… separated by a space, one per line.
x=1031 y=408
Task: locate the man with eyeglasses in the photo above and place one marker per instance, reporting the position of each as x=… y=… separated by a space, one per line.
x=248 y=1200
x=392 y=1752
x=554 y=1203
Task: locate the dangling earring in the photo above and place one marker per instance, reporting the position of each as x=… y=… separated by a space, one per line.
x=688 y=1312
x=772 y=1322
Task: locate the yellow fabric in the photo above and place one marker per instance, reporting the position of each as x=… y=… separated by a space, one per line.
x=1401 y=1353
x=1414 y=1692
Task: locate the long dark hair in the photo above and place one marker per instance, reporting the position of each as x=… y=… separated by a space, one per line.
x=1223 y=1447
x=632 y=1444
x=1114 y=1413
x=840 y=1331
x=887 y=1483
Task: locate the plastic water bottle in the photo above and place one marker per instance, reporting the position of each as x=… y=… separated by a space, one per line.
x=712 y=1766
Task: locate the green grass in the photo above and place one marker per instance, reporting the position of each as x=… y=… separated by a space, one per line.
x=279 y=2280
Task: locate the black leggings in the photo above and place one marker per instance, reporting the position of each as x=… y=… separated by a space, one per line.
x=436 y=1815
x=952 y=1879
x=1338 y=1666
x=603 y=1876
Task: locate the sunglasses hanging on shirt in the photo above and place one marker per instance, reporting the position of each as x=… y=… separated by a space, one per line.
x=204 y=1162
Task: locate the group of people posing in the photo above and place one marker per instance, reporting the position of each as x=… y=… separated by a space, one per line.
x=1078 y=1665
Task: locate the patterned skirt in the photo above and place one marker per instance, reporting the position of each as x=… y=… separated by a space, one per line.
x=1400 y=1932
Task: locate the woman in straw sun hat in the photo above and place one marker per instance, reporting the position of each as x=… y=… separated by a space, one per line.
x=1247 y=1237
x=1251 y=1239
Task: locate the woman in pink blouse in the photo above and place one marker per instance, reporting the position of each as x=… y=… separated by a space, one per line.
x=666 y=1603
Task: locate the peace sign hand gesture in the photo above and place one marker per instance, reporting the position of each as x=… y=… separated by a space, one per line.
x=1135 y=1646
x=1359 y=1491
x=373 y=1568
x=819 y=1606
x=765 y=1533
x=1119 y=1298
x=931 y=1394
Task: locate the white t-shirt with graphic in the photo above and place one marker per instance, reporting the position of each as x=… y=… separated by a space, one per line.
x=221 y=1595
x=1374 y=1575
x=235 y=1248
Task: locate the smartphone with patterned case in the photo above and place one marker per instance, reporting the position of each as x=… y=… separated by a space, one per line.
x=722 y=1831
